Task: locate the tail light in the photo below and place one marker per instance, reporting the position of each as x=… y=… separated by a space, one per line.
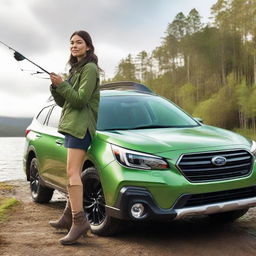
x=27 y=132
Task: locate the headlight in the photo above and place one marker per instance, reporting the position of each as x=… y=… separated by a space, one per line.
x=134 y=159
x=253 y=148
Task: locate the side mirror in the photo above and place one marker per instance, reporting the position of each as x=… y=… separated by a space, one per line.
x=198 y=119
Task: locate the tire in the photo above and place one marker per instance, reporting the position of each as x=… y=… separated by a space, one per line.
x=228 y=216
x=39 y=193
x=94 y=205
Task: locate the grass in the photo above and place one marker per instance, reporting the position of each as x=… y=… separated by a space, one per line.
x=6 y=203
x=5 y=187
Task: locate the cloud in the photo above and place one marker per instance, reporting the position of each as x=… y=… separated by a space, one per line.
x=20 y=28
x=40 y=30
x=120 y=23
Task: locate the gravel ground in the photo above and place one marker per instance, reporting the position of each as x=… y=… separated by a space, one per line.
x=26 y=232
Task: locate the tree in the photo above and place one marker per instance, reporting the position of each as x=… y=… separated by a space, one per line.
x=208 y=70
x=126 y=70
x=178 y=28
x=141 y=65
x=194 y=23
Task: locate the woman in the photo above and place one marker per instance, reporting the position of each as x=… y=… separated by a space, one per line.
x=79 y=99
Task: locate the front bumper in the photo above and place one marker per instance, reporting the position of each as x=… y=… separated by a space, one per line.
x=216 y=208
x=128 y=196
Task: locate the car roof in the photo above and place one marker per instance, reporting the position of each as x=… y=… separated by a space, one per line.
x=125 y=86
x=122 y=93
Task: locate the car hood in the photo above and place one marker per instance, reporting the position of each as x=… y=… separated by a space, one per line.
x=169 y=139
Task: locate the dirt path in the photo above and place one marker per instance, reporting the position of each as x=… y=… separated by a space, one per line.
x=27 y=233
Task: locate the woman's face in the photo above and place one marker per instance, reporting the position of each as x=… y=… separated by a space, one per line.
x=78 y=47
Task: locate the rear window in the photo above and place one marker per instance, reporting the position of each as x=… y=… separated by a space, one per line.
x=54 y=117
x=41 y=117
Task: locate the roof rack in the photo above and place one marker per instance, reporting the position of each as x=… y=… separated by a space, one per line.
x=125 y=86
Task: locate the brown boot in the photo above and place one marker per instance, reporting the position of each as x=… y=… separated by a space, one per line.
x=65 y=221
x=79 y=227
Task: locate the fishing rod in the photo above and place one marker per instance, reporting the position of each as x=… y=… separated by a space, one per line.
x=19 y=57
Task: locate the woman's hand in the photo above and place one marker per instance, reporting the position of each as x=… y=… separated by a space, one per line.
x=56 y=79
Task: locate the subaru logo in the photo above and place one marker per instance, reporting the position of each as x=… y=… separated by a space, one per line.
x=219 y=160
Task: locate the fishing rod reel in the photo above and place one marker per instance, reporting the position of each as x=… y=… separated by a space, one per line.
x=17 y=56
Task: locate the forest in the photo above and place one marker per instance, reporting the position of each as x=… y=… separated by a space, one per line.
x=207 y=69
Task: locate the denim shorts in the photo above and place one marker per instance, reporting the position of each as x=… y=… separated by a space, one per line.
x=74 y=142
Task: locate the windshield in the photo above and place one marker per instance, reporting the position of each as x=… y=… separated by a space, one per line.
x=140 y=112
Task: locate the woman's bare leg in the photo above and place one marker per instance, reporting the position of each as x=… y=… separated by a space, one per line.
x=75 y=160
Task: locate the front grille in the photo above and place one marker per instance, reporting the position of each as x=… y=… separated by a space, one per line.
x=199 y=167
x=215 y=197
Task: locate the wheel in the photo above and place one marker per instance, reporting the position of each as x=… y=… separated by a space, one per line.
x=228 y=216
x=40 y=194
x=94 y=205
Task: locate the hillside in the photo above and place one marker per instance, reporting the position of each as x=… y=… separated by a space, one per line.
x=13 y=126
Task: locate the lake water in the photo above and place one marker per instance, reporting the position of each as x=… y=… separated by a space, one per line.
x=11 y=155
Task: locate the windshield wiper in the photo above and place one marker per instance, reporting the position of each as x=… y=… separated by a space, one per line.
x=139 y=127
x=162 y=126
x=111 y=129
x=152 y=126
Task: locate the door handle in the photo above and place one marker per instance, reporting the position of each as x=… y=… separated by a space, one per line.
x=38 y=136
x=59 y=142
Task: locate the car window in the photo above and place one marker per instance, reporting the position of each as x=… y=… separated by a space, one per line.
x=132 y=112
x=54 y=117
x=43 y=114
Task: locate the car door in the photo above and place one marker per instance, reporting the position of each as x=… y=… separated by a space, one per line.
x=38 y=138
x=55 y=154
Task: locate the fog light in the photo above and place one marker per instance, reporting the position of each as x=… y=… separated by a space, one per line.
x=137 y=210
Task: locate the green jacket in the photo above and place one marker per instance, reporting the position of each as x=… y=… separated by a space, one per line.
x=79 y=100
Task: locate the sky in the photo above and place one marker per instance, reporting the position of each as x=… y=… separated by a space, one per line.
x=40 y=30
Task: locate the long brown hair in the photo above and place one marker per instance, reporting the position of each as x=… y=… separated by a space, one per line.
x=89 y=57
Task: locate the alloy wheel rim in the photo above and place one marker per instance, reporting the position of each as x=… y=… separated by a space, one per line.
x=94 y=202
x=34 y=179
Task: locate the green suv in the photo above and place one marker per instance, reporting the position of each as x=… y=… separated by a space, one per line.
x=149 y=160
